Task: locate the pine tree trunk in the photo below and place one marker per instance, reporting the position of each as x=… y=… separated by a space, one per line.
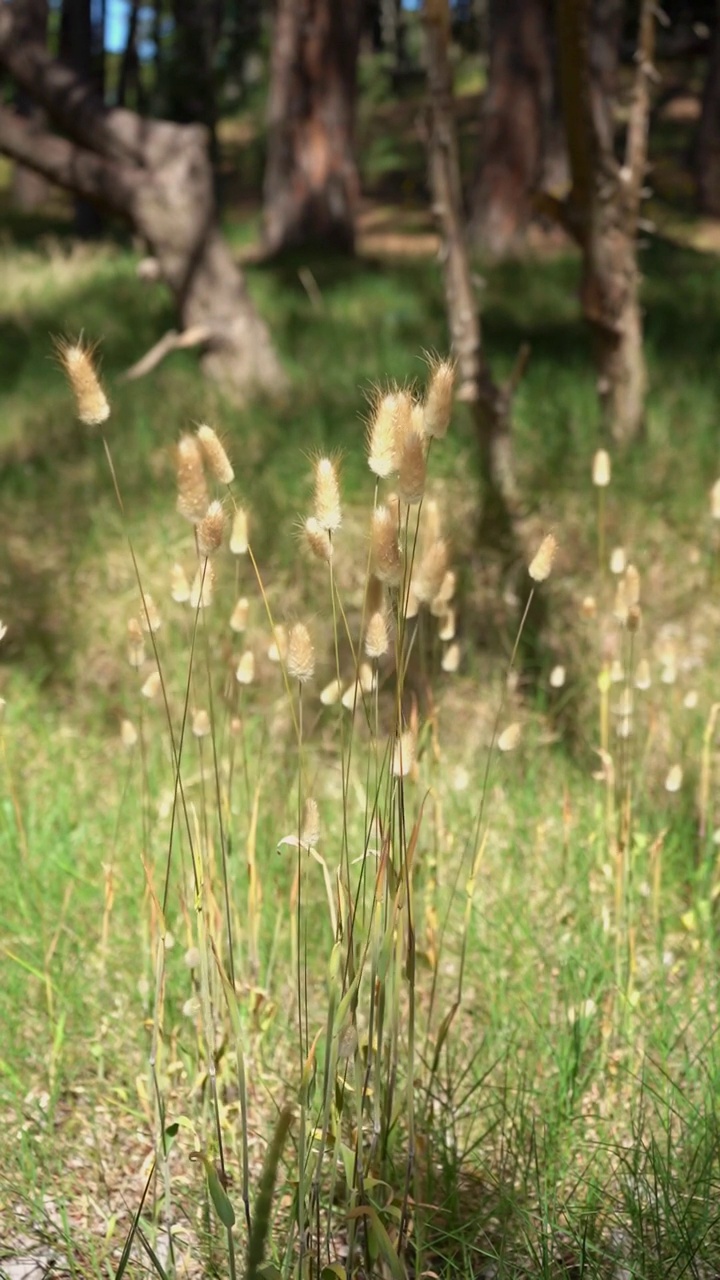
x=159 y=177
x=602 y=211
x=29 y=191
x=311 y=182
x=707 y=152
x=521 y=138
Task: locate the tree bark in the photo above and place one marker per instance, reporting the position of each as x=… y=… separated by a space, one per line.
x=82 y=47
x=191 y=85
x=707 y=147
x=492 y=403
x=311 y=182
x=521 y=137
x=158 y=176
x=602 y=212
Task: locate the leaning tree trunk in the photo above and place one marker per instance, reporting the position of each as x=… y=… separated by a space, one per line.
x=191 y=77
x=311 y=182
x=521 y=137
x=707 y=149
x=82 y=47
x=158 y=176
x=602 y=211
x=492 y=403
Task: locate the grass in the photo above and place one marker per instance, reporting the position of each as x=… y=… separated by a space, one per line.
x=566 y=1125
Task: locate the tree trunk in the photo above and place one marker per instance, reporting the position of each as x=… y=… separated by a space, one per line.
x=492 y=402
x=29 y=190
x=311 y=182
x=522 y=144
x=82 y=47
x=602 y=211
x=158 y=176
x=707 y=150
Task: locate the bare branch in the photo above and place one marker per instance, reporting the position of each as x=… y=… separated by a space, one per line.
x=196 y=336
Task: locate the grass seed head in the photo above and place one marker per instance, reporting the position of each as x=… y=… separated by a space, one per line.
x=211 y=530
x=238 y=620
x=715 y=501
x=632 y=586
x=128 y=734
x=509 y=738
x=601 y=469
x=542 y=563
x=245 y=670
x=328 y=512
x=318 y=539
x=385 y=554
x=76 y=359
x=152 y=686
x=618 y=560
x=179 y=585
x=331 y=693
x=203 y=587
x=277 y=651
x=219 y=465
x=429 y=579
x=381 y=436
x=193 y=496
x=239 y=541
x=403 y=754
x=451 y=659
x=673 y=781
x=200 y=723
x=557 y=677
x=412 y=467
x=136 y=645
x=448 y=625
x=377 y=639
x=643 y=679
x=439 y=398
x=300 y=654
x=150 y=619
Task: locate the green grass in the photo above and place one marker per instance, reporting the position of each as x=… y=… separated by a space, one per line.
x=561 y=1132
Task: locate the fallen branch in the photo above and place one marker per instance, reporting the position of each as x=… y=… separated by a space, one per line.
x=195 y=336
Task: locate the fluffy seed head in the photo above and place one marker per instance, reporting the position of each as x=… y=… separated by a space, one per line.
x=451 y=658
x=557 y=677
x=318 y=539
x=238 y=621
x=200 y=723
x=642 y=674
x=239 y=537
x=300 y=654
x=331 y=693
x=245 y=670
x=128 y=734
x=150 y=619
x=509 y=738
x=193 y=497
x=601 y=469
x=152 y=685
x=618 y=560
x=448 y=625
x=179 y=585
x=327 y=495
x=377 y=641
x=412 y=467
x=429 y=579
x=277 y=651
x=715 y=501
x=201 y=592
x=439 y=398
x=219 y=464
x=673 y=782
x=403 y=754
x=211 y=530
x=381 y=436
x=542 y=563
x=91 y=402
x=384 y=550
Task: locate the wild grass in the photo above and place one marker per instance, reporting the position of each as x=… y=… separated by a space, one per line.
x=566 y=1119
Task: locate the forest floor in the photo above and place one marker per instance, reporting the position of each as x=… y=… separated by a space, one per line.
x=571 y=1128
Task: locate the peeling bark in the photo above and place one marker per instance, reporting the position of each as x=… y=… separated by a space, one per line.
x=311 y=182
x=158 y=176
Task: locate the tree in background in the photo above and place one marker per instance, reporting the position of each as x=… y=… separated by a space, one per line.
x=522 y=142
x=158 y=176
x=190 y=78
x=82 y=47
x=492 y=403
x=30 y=189
x=311 y=182
x=602 y=209
x=707 y=151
